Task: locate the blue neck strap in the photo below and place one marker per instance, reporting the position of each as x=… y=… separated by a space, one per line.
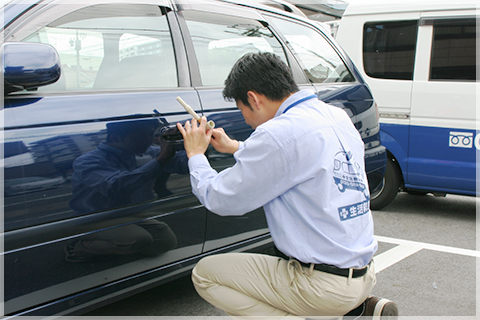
x=299 y=101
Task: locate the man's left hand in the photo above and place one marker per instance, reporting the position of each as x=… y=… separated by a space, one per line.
x=195 y=137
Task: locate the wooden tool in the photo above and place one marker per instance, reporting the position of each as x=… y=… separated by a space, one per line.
x=210 y=123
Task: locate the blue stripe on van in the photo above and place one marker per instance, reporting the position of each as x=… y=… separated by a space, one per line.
x=434 y=158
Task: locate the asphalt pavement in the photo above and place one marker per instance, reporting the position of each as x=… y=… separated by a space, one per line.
x=426 y=263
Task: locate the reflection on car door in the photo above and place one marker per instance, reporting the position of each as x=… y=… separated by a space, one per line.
x=87 y=204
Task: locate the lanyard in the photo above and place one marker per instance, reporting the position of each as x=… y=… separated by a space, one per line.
x=308 y=98
x=299 y=101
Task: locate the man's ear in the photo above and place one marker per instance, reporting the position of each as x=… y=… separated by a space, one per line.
x=254 y=99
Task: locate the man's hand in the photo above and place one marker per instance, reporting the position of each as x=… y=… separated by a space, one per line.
x=195 y=137
x=222 y=142
x=167 y=152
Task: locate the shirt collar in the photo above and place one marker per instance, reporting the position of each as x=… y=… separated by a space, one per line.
x=292 y=99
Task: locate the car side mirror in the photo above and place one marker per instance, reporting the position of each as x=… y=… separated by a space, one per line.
x=28 y=65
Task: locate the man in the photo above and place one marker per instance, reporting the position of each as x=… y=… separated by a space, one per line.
x=304 y=163
x=110 y=177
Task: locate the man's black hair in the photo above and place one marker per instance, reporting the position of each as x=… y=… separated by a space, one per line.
x=262 y=72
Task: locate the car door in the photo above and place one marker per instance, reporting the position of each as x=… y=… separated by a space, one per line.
x=68 y=240
x=219 y=38
x=442 y=148
x=204 y=30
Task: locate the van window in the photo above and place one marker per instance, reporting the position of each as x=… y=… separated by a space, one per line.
x=111 y=46
x=219 y=41
x=321 y=63
x=389 y=49
x=454 y=55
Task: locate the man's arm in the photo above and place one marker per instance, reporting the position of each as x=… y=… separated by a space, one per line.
x=260 y=175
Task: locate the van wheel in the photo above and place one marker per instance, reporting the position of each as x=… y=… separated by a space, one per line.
x=390 y=188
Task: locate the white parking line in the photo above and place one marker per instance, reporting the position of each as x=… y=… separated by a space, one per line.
x=406 y=248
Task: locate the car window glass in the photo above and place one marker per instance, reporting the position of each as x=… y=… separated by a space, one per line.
x=219 y=41
x=111 y=46
x=321 y=63
x=389 y=49
x=454 y=50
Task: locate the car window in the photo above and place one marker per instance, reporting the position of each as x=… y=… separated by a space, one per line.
x=219 y=41
x=321 y=63
x=111 y=46
x=454 y=54
x=389 y=49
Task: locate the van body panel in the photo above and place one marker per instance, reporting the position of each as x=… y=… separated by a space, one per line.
x=395 y=7
x=392 y=96
x=397 y=137
x=435 y=160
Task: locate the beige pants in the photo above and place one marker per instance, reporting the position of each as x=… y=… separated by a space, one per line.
x=244 y=284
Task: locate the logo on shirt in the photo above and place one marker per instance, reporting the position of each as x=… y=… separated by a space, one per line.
x=355 y=210
x=347 y=174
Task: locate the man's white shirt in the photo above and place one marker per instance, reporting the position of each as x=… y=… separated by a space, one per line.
x=306 y=168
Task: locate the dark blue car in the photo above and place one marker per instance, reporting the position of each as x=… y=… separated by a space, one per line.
x=80 y=78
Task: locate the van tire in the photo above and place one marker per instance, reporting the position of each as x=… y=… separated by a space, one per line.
x=391 y=185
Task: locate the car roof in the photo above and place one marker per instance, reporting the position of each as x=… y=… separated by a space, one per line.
x=270 y=5
x=395 y=6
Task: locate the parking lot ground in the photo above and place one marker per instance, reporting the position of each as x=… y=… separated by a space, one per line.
x=427 y=258
x=426 y=263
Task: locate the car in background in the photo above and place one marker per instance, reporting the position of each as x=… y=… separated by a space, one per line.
x=79 y=74
x=420 y=60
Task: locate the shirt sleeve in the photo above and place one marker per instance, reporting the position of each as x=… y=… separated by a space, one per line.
x=261 y=173
x=110 y=181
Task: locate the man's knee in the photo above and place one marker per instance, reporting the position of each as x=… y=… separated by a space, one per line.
x=199 y=277
x=203 y=274
x=202 y=267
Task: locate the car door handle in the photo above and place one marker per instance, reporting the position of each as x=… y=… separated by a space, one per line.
x=170 y=133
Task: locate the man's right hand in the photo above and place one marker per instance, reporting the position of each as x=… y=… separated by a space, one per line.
x=222 y=142
x=195 y=137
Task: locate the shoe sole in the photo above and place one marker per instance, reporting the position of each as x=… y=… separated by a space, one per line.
x=383 y=309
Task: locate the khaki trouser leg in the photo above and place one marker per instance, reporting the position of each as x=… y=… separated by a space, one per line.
x=244 y=284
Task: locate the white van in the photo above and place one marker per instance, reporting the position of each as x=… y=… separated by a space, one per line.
x=419 y=59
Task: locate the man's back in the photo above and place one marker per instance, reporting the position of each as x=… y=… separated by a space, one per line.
x=325 y=175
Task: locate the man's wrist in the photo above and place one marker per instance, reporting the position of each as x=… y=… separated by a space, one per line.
x=234 y=147
x=193 y=153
